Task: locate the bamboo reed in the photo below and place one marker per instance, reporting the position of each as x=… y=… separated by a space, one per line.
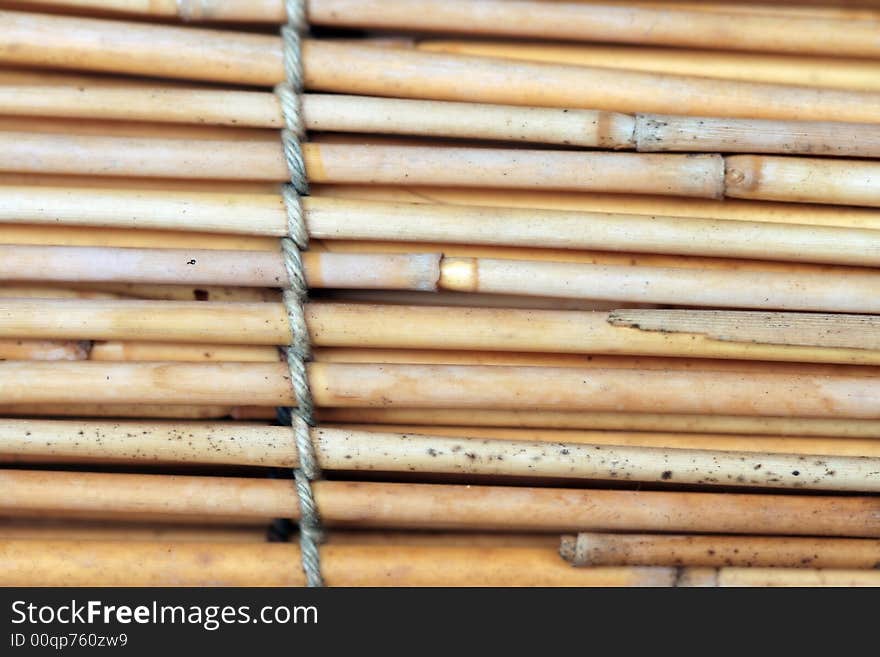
x=563 y=420
x=783 y=337
x=156 y=351
x=139 y=411
x=332 y=218
x=107 y=563
x=767 y=577
x=671 y=26
x=211 y=267
x=351 y=449
x=67 y=530
x=42 y=350
x=163 y=51
x=434 y=506
x=597 y=549
x=449 y=386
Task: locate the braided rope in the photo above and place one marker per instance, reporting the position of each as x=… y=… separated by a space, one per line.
x=295 y=297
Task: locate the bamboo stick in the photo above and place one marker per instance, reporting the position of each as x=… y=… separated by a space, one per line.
x=211 y=267
x=798 y=338
x=257 y=59
x=562 y=420
x=597 y=549
x=264 y=160
x=332 y=218
x=139 y=411
x=792 y=69
x=742 y=210
x=762 y=31
x=424 y=506
x=153 y=351
x=66 y=530
x=43 y=350
x=56 y=563
x=702 y=441
x=438 y=538
x=349 y=449
x=451 y=386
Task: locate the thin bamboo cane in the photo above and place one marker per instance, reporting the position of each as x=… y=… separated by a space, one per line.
x=57 y=563
x=212 y=267
x=347 y=449
x=742 y=210
x=433 y=506
x=562 y=420
x=439 y=538
x=784 y=337
x=450 y=386
x=798 y=70
x=597 y=549
x=703 y=441
x=264 y=160
x=42 y=350
x=139 y=411
x=333 y=218
x=153 y=351
x=762 y=31
x=66 y=530
x=257 y=59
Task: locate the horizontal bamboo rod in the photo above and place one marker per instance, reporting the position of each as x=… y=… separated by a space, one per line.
x=772 y=337
x=809 y=33
x=424 y=506
x=211 y=267
x=57 y=529
x=786 y=69
x=598 y=549
x=188 y=53
x=851 y=293
x=363 y=114
x=11 y=349
x=444 y=386
x=109 y=563
x=333 y=218
x=617 y=422
x=648 y=173
x=777 y=577
x=138 y=411
x=358 y=450
x=678 y=440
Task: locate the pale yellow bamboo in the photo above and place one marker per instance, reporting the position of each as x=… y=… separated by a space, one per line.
x=803 y=179
x=437 y=538
x=743 y=210
x=812 y=71
x=766 y=290
x=332 y=218
x=139 y=411
x=562 y=420
x=704 y=441
x=597 y=549
x=257 y=59
x=424 y=506
x=42 y=350
x=358 y=450
x=418 y=327
x=155 y=351
x=766 y=577
x=204 y=267
x=451 y=386
x=681 y=175
x=100 y=563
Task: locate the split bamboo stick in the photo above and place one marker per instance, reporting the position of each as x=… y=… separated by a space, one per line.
x=334 y=218
x=357 y=450
x=100 y=563
x=597 y=549
x=782 y=337
x=563 y=420
x=670 y=26
x=444 y=386
x=434 y=506
x=211 y=267
x=115 y=46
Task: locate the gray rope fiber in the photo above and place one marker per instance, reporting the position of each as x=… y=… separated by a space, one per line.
x=300 y=350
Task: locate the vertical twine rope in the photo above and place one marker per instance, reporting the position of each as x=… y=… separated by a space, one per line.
x=300 y=350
